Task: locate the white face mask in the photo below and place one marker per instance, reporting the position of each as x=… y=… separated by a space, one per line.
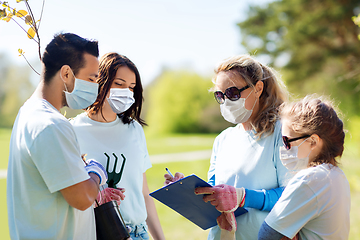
x=290 y=159
x=83 y=95
x=235 y=111
x=120 y=99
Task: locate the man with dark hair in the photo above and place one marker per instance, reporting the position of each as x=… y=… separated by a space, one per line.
x=48 y=183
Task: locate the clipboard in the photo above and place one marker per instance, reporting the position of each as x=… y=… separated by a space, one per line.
x=180 y=197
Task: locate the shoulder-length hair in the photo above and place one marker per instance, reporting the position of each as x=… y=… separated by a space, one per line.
x=109 y=64
x=273 y=95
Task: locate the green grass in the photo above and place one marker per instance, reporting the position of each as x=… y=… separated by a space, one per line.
x=4 y=230
x=350 y=164
x=179 y=143
x=175 y=226
x=4 y=147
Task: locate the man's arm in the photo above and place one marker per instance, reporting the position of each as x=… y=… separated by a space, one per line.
x=82 y=195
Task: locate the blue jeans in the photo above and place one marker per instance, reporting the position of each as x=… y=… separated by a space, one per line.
x=139 y=232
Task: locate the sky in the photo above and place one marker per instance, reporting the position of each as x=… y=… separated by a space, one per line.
x=154 y=34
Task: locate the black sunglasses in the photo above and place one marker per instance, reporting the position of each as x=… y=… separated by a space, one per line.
x=287 y=141
x=232 y=93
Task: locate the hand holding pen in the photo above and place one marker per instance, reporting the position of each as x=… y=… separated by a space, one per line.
x=169 y=178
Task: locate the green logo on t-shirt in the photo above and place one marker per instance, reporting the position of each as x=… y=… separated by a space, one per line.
x=113 y=177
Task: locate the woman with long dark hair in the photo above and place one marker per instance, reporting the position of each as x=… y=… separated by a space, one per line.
x=110 y=130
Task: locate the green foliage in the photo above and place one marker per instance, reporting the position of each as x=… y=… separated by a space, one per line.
x=356 y=20
x=180 y=102
x=317 y=42
x=15 y=88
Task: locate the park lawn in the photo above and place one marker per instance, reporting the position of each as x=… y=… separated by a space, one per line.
x=350 y=164
x=5 y=134
x=174 y=225
x=174 y=143
x=4 y=230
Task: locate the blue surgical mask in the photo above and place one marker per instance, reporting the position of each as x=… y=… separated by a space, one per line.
x=83 y=95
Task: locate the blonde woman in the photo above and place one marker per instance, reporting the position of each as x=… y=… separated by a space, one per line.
x=245 y=168
x=316 y=202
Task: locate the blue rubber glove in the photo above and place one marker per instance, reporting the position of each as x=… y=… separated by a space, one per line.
x=96 y=167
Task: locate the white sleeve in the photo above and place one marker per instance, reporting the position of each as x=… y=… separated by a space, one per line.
x=297 y=205
x=56 y=154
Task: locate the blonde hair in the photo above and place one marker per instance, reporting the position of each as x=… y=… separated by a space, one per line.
x=274 y=91
x=316 y=115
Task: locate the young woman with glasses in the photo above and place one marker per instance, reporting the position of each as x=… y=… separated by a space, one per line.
x=245 y=168
x=111 y=131
x=316 y=202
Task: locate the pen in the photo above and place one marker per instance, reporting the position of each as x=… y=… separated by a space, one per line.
x=169 y=172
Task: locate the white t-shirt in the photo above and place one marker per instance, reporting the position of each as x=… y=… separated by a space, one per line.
x=316 y=202
x=241 y=160
x=114 y=139
x=44 y=158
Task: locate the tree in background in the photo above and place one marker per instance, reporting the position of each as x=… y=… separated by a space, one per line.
x=15 y=88
x=316 y=44
x=180 y=102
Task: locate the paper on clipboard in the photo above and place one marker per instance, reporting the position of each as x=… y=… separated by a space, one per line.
x=180 y=197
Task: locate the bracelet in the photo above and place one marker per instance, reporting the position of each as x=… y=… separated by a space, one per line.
x=243 y=200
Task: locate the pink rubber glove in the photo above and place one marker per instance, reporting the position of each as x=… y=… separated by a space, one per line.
x=227 y=221
x=224 y=197
x=109 y=194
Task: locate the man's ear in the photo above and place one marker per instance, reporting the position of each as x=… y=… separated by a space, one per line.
x=259 y=87
x=66 y=73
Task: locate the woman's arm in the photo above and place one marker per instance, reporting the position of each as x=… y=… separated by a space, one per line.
x=263 y=200
x=268 y=233
x=152 y=218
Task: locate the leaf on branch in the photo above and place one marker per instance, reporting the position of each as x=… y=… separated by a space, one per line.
x=20 y=51
x=31 y=33
x=8 y=17
x=2 y=13
x=5 y=4
x=28 y=20
x=19 y=1
x=21 y=13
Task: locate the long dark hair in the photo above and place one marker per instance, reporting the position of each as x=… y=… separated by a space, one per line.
x=109 y=64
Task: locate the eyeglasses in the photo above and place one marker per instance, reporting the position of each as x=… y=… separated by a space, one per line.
x=287 y=141
x=232 y=93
